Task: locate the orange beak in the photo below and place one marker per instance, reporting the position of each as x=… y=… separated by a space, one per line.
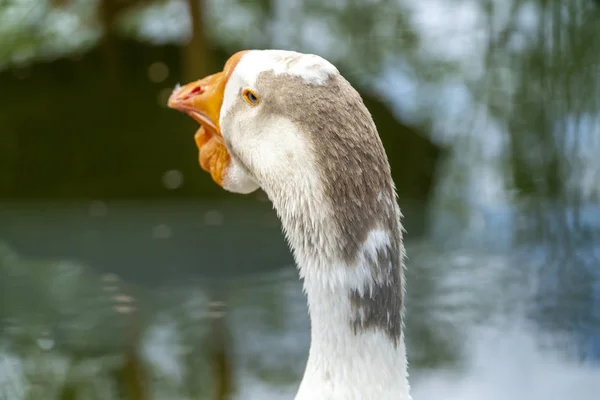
x=202 y=100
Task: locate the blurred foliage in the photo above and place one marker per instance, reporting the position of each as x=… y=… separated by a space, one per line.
x=43 y=29
x=97 y=125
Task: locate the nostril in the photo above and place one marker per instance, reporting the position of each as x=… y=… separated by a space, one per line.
x=195 y=91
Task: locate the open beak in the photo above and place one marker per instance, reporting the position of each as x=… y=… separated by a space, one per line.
x=202 y=99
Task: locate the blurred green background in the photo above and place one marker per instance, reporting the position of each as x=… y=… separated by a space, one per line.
x=125 y=272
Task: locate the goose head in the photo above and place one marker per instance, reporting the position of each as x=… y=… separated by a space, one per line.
x=290 y=124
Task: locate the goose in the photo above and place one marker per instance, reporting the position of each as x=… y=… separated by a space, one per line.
x=290 y=124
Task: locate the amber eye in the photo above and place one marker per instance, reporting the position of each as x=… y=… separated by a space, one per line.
x=251 y=97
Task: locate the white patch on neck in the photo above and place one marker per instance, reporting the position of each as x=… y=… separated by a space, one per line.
x=336 y=274
x=313 y=69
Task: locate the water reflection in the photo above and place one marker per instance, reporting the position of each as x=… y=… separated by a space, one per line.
x=482 y=322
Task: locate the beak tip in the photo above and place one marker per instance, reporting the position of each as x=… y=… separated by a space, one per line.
x=173 y=101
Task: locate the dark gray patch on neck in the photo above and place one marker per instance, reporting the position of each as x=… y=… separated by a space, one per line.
x=380 y=305
x=357 y=181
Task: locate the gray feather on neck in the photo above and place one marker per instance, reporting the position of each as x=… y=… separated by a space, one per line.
x=357 y=182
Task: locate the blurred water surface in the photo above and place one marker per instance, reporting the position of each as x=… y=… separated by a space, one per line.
x=91 y=289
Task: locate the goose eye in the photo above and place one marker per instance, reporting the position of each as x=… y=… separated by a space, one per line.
x=251 y=97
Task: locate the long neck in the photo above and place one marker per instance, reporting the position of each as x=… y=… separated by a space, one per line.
x=343 y=225
x=355 y=304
